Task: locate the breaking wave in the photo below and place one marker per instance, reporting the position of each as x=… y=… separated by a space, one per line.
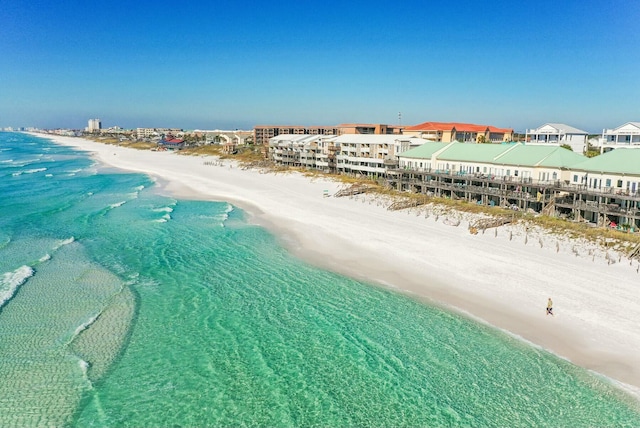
x=11 y=281
x=28 y=171
x=63 y=243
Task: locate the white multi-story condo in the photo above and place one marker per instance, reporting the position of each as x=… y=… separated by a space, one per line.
x=304 y=150
x=143 y=133
x=371 y=155
x=362 y=154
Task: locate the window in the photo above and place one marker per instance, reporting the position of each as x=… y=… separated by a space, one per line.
x=575 y=178
x=619 y=183
x=608 y=182
x=515 y=173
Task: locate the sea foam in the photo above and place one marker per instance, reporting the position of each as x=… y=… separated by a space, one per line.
x=11 y=281
x=64 y=242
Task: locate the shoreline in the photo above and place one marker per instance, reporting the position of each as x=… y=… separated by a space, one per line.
x=501 y=278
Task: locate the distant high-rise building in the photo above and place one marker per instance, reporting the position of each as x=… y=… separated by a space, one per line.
x=95 y=125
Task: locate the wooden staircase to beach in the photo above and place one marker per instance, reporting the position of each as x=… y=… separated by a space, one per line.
x=406 y=203
x=549 y=208
x=488 y=223
x=354 y=189
x=635 y=252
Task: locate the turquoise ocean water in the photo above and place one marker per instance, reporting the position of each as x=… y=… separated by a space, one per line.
x=123 y=307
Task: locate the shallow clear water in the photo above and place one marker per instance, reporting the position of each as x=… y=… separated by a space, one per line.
x=123 y=307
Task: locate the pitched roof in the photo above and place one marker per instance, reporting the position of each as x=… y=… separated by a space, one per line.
x=622 y=160
x=431 y=126
x=563 y=127
x=547 y=156
x=500 y=130
x=516 y=154
x=626 y=125
x=473 y=152
x=458 y=126
x=424 y=151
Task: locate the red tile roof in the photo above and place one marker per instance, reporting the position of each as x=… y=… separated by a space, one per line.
x=459 y=127
x=500 y=130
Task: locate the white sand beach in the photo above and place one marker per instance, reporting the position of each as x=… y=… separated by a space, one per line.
x=502 y=277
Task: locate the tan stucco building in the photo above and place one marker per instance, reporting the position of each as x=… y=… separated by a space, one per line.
x=447 y=132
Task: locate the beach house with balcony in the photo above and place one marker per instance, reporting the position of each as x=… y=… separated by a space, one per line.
x=558 y=134
x=616 y=171
x=627 y=135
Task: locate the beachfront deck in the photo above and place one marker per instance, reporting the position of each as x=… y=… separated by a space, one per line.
x=600 y=207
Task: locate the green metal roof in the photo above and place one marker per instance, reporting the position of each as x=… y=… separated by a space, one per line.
x=534 y=155
x=618 y=161
x=425 y=151
x=465 y=152
x=516 y=154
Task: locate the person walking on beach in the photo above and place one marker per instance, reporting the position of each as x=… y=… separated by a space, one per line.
x=549 y=306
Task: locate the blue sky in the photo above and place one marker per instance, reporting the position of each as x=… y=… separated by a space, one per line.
x=210 y=64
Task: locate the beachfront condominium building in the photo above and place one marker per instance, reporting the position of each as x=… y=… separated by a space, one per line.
x=627 y=135
x=95 y=125
x=361 y=154
x=304 y=150
x=547 y=178
x=263 y=133
x=514 y=161
x=371 y=155
x=447 y=132
x=144 y=133
x=558 y=134
x=368 y=129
